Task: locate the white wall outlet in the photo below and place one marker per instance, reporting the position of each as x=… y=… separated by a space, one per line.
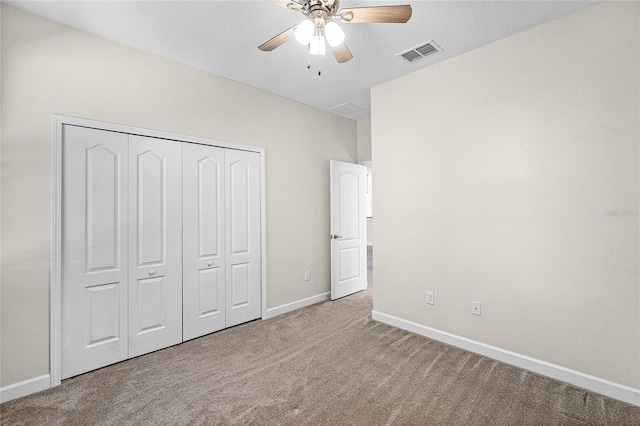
x=475 y=308
x=429 y=297
x=306 y=275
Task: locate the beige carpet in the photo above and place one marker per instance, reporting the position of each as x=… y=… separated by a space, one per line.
x=328 y=364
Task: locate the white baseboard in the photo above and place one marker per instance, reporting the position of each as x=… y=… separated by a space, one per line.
x=283 y=309
x=24 y=388
x=605 y=387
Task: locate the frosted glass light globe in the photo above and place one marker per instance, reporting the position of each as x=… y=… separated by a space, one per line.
x=304 y=32
x=317 y=45
x=334 y=34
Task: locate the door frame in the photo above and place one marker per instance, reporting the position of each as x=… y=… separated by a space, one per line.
x=55 y=260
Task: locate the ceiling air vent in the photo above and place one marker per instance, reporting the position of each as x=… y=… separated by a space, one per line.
x=347 y=108
x=424 y=50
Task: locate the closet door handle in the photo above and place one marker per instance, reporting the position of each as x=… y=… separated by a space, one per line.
x=151 y=272
x=209 y=263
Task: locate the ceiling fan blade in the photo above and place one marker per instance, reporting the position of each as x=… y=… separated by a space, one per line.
x=377 y=14
x=281 y=38
x=342 y=53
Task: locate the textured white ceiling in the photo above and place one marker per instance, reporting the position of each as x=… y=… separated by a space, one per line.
x=222 y=37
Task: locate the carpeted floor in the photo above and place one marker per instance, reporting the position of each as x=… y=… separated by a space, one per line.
x=327 y=364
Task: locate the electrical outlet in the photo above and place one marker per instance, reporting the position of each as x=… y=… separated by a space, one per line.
x=306 y=275
x=429 y=297
x=475 y=308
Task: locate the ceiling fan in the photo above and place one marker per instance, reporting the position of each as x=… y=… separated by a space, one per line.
x=318 y=24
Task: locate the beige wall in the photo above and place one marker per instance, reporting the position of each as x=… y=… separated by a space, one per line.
x=509 y=175
x=48 y=68
x=364 y=140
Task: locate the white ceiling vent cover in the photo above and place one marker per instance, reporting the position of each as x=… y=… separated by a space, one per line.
x=422 y=51
x=347 y=108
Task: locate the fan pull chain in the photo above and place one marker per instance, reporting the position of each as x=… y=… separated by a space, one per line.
x=309 y=62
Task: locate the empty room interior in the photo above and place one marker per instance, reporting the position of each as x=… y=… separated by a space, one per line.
x=320 y=212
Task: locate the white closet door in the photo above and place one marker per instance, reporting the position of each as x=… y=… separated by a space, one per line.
x=242 y=225
x=203 y=240
x=155 y=244
x=94 y=249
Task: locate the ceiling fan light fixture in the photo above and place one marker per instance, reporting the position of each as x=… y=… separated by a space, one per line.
x=318 y=25
x=317 y=45
x=334 y=34
x=304 y=32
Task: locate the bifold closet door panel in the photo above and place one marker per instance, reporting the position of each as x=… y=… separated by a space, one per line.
x=155 y=244
x=203 y=240
x=242 y=225
x=94 y=249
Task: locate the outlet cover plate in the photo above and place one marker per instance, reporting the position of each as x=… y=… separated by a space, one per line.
x=429 y=297
x=475 y=308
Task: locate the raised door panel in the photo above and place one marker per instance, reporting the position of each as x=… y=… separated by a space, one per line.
x=348 y=207
x=240 y=285
x=239 y=175
x=204 y=272
x=94 y=249
x=211 y=293
x=243 y=298
x=349 y=211
x=155 y=244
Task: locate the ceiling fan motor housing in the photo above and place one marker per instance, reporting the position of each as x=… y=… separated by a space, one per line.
x=321 y=10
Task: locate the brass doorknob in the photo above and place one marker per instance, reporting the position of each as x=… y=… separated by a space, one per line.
x=336 y=236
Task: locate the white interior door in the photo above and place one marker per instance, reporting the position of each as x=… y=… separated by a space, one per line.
x=155 y=244
x=203 y=240
x=94 y=249
x=348 y=229
x=242 y=230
